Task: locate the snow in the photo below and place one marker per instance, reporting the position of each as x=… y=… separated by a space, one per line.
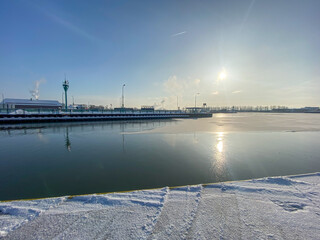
x=285 y=207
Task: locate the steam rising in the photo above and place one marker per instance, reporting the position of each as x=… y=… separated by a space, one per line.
x=157 y=104
x=35 y=93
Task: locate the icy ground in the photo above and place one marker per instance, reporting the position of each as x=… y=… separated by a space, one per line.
x=268 y=208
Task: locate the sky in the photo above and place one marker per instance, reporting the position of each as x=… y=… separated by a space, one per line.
x=167 y=53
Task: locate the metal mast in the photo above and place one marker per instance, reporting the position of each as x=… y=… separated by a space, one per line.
x=195 y=100
x=177 y=103
x=123 y=95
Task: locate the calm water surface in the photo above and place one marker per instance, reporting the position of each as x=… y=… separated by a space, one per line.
x=78 y=158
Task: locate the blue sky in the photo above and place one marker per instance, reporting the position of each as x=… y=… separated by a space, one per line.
x=269 y=50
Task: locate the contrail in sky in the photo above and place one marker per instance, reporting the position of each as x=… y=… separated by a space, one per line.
x=66 y=24
x=246 y=16
x=177 y=34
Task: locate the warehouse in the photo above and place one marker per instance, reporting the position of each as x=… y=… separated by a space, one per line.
x=11 y=103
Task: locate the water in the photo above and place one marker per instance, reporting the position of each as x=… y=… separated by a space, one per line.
x=78 y=158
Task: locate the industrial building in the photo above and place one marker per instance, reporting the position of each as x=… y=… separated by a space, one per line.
x=11 y=103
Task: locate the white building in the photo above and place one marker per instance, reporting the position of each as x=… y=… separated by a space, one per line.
x=12 y=103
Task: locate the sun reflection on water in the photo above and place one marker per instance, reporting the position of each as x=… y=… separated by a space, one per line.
x=220 y=146
x=219 y=158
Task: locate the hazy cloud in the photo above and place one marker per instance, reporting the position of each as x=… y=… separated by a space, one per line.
x=215 y=93
x=177 y=34
x=173 y=85
x=160 y=103
x=237 y=91
x=181 y=91
x=177 y=86
x=197 y=81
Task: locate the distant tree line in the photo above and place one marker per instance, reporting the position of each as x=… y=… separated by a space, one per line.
x=261 y=109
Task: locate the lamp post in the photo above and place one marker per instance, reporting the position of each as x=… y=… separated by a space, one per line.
x=123 y=95
x=177 y=103
x=195 y=101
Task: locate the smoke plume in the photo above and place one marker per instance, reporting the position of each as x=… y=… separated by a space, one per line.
x=35 y=93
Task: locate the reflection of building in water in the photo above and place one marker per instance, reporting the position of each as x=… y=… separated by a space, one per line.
x=40 y=135
x=67 y=140
x=64 y=128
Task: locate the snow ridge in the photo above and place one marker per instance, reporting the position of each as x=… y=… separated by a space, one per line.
x=178 y=213
x=151 y=200
x=193 y=212
x=149 y=226
x=278 y=181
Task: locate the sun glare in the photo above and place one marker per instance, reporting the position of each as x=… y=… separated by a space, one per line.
x=222 y=75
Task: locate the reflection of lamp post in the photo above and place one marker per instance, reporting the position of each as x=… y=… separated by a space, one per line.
x=122 y=126
x=67 y=140
x=123 y=95
x=195 y=100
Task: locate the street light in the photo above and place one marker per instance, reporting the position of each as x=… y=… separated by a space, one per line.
x=195 y=100
x=177 y=103
x=123 y=95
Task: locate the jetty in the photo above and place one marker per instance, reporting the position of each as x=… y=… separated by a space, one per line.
x=40 y=116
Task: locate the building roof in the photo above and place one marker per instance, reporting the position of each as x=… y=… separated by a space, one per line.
x=31 y=102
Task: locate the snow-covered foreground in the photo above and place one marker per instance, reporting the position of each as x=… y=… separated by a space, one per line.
x=268 y=208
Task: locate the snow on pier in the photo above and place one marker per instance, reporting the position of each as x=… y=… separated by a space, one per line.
x=268 y=208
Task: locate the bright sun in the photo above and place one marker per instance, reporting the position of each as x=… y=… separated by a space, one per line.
x=222 y=75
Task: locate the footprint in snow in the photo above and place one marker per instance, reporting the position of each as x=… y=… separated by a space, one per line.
x=289 y=206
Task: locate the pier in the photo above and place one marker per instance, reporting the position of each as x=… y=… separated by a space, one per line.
x=41 y=116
